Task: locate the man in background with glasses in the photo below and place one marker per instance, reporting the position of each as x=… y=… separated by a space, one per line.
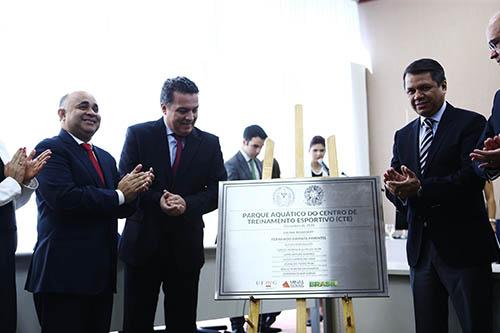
x=487 y=154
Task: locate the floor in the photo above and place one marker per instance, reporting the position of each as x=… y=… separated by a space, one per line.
x=285 y=321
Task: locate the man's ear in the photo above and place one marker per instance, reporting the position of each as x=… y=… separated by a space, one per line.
x=444 y=85
x=164 y=108
x=62 y=113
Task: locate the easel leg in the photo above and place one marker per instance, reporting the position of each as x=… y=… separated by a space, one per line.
x=301 y=315
x=253 y=316
x=349 y=325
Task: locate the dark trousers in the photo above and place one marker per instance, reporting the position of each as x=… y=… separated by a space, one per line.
x=8 y=306
x=142 y=286
x=470 y=291
x=62 y=313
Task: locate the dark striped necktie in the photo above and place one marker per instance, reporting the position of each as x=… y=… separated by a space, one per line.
x=425 y=144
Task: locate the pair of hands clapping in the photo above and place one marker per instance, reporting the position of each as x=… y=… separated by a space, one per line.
x=23 y=168
x=139 y=181
x=404 y=184
x=136 y=182
x=489 y=156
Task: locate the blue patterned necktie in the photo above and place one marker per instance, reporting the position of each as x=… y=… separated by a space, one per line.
x=425 y=144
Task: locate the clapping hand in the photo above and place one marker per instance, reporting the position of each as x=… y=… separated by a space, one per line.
x=404 y=184
x=489 y=156
x=16 y=167
x=33 y=166
x=135 y=182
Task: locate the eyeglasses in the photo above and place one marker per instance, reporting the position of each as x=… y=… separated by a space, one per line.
x=494 y=45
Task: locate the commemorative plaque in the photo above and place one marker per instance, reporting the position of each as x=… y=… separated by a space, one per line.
x=301 y=238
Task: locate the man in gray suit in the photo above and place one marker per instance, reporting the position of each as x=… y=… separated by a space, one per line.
x=246 y=166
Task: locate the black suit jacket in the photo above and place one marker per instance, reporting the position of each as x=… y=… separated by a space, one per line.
x=76 y=249
x=491 y=129
x=196 y=180
x=451 y=202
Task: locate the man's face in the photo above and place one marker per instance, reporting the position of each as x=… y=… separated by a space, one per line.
x=493 y=37
x=79 y=115
x=425 y=96
x=182 y=113
x=252 y=148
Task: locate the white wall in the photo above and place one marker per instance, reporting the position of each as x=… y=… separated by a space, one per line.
x=396 y=32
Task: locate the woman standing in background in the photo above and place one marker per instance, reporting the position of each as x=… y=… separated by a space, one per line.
x=317 y=149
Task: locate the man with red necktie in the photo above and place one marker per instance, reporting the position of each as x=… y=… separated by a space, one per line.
x=162 y=243
x=80 y=196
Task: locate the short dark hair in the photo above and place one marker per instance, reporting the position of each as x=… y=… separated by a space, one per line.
x=426 y=65
x=180 y=84
x=318 y=139
x=253 y=131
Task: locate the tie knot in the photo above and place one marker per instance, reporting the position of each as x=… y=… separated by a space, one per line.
x=87 y=146
x=428 y=122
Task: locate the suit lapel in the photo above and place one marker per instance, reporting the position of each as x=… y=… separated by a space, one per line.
x=440 y=136
x=105 y=167
x=191 y=146
x=162 y=158
x=81 y=154
x=413 y=141
x=243 y=166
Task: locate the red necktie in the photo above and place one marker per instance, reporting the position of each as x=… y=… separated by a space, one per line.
x=178 y=152
x=93 y=160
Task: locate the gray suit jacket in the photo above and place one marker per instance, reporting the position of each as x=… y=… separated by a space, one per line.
x=237 y=168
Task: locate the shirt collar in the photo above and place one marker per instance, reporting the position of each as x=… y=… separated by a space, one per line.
x=436 y=116
x=169 y=130
x=78 y=140
x=247 y=158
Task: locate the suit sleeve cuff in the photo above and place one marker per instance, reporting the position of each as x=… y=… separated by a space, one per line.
x=492 y=174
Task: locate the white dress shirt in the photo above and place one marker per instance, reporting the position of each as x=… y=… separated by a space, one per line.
x=121 y=196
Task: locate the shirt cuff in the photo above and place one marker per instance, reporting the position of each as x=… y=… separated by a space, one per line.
x=32 y=185
x=13 y=185
x=121 y=197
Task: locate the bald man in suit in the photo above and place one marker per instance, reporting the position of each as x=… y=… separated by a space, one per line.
x=72 y=274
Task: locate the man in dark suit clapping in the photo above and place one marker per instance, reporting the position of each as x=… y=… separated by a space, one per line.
x=450 y=244
x=80 y=196
x=487 y=156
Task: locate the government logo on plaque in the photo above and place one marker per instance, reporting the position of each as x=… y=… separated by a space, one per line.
x=301 y=238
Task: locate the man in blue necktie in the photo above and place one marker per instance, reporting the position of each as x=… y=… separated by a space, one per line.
x=431 y=180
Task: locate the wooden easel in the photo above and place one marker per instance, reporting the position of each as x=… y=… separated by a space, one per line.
x=253 y=316
x=301 y=307
x=334 y=172
x=267 y=171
